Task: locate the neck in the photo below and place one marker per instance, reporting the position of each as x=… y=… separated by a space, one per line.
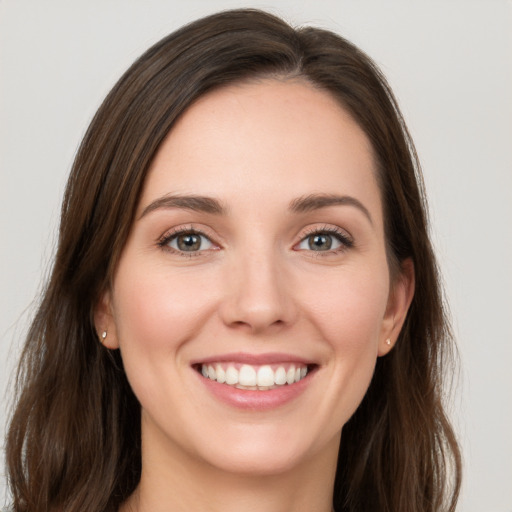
x=183 y=483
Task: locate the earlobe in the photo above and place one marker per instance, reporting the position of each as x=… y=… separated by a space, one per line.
x=399 y=301
x=104 y=322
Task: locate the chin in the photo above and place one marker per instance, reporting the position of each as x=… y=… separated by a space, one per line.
x=268 y=451
x=261 y=463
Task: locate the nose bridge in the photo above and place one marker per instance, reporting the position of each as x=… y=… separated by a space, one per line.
x=258 y=296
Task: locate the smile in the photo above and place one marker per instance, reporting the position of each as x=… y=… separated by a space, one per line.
x=255 y=377
x=256 y=382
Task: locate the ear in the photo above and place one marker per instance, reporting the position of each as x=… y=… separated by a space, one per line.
x=400 y=298
x=104 y=322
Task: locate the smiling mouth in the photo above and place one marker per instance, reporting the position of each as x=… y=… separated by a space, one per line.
x=255 y=377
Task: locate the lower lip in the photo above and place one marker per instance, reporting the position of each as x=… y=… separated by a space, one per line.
x=256 y=400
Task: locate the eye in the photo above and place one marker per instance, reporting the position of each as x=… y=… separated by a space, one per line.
x=324 y=241
x=188 y=241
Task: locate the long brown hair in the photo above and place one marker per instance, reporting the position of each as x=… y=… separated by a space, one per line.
x=74 y=438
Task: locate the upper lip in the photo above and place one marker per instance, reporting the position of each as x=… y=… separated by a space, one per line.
x=254 y=359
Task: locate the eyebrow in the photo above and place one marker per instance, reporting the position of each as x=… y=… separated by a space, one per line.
x=194 y=203
x=210 y=205
x=313 y=202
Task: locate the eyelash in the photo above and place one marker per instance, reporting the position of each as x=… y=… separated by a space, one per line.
x=341 y=236
x=345 y=240
x=168 y=237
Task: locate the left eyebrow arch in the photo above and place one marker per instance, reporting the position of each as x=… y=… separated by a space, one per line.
x=313 y=202
x=196 y=203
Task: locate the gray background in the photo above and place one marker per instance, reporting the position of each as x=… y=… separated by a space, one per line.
x=450 y=64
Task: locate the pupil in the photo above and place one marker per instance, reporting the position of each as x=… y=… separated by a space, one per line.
x=189 y=242
x=320 y=242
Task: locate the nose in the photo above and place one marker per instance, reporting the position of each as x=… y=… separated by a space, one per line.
x=258 y=294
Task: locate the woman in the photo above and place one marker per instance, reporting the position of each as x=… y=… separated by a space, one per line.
x=244 y=310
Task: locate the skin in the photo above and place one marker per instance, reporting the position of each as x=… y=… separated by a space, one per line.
x=256 y=286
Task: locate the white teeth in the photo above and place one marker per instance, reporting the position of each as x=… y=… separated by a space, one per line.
x=259 y=378
x=247 y=376
x=280 y=376
x=221 y=374
x=231 y=376
x=265 y=376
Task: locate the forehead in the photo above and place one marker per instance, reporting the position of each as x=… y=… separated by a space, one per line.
x=269 y=139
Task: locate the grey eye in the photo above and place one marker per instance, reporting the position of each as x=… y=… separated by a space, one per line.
x=320 y=242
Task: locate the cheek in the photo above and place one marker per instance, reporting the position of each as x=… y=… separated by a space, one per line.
x=351 y=323
x=157 y=310
x=351 y=308
x=156 y=313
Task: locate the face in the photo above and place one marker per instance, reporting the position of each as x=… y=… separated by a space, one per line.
x=253 y=296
